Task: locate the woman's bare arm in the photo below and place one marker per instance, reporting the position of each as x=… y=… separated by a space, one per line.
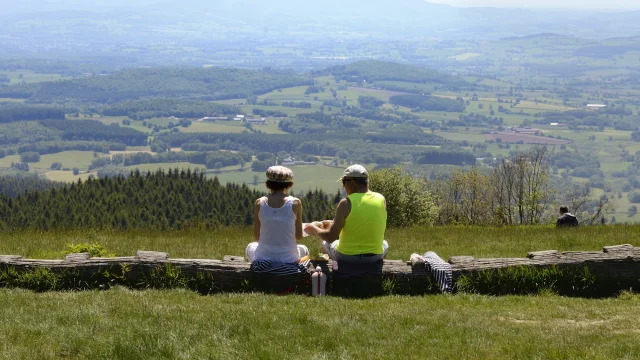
x=256 y=220
x=297 y=209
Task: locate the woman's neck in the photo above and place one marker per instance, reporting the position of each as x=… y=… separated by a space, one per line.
x=278 y=193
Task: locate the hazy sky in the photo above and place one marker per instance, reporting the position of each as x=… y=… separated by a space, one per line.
x=576 y=4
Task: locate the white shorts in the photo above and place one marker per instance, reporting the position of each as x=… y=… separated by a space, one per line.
x=250 y=251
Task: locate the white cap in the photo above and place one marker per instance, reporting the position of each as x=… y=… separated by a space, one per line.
x=354 y=171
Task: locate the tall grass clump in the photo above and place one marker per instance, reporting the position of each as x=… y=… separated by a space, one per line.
x=527 y=280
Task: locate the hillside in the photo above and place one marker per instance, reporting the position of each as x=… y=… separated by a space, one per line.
x=373 y=70
x=233 y=18
x=209 y=84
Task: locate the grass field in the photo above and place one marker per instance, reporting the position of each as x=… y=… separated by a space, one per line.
x=29 y=77
x=230 y=127
x=67 y=176
x=466 y=56
x=169 y=324
x=445 y=241
x=12 y=100
x=305 y=177
x=124 y=324
x=69 y=159
x=462 y=135
x=201 y=126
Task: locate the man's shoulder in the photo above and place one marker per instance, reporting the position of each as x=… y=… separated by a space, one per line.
x=376 y=194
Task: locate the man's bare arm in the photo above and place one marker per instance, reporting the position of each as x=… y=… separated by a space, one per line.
x=332 y=234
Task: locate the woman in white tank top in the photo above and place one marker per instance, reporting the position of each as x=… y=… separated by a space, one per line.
x=277 y=222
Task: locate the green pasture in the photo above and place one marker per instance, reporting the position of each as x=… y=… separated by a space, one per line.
x=325 y=81
x=490 y=82
x=296 y=93
x=608 y=166
x=231 y=101
x=223 y=127
x=290 y=111
x=231 y=127
x=69 y=159
x=160 y=121
x=67 y=176
x=434 y=115
x=504 y=151
x=30 y=77
x=621 y=209
x=12 y=100
x=427 y=88
x=472 y=137
x=137 y=125
x=108 y=120
x=178 y=324
x=466 y=56
x=449 y=241
x=305 y=177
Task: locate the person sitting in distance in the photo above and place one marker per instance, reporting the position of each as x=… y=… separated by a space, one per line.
x=277 y=225
x=566 y=218
x=359 y=223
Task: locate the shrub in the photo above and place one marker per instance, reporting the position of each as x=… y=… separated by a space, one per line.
x=408 y=201
x=634 y=197
x=30 y=157
x=94 y=249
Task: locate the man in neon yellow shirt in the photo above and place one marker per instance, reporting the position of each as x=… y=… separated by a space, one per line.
x=359 y=223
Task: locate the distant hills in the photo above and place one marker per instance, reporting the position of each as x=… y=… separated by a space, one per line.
x=213 y=83
x=333 y=18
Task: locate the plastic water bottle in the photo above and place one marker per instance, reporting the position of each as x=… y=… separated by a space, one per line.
x=318 y=283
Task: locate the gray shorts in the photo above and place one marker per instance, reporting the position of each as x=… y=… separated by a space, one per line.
x=334 y=254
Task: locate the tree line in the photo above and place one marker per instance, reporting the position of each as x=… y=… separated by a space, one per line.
x=204 y=84
x=450 y=157
x=427 y=103
x=176 y=199
x=517 y=191
x=92 y=130
x=212 y=159
x=52 y=147
x=374 y=70
x=166 y=107
x=22 y=112
x=16 y=184
x=24 y=132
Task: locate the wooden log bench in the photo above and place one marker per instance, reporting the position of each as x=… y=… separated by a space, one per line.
x=613 y=269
